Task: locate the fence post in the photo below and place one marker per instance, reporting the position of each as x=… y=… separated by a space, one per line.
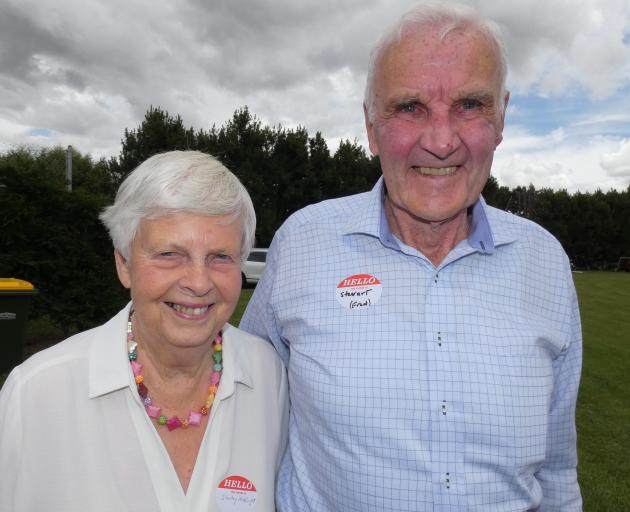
x=69 y=169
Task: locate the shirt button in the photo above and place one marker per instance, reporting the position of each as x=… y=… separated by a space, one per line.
x=443 y=408
x=447 y=481
x=439 y=339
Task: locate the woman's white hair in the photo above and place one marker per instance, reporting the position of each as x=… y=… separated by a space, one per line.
x=445 y=17
x=178 y=182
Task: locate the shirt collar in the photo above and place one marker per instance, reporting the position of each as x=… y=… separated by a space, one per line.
x=109 y=368
x=369 y=219
x=237 y=363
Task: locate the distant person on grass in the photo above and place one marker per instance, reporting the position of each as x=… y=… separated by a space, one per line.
x=432 y=342
x=166 y=406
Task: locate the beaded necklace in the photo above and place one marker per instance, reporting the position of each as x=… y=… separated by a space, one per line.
x=154 y=412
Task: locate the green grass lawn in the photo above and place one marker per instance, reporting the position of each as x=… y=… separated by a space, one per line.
x=603 y=414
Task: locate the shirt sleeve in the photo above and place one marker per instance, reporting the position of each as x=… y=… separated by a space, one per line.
x=558 y=475
x=283 y=397
x=10 y=442
x=259 y=317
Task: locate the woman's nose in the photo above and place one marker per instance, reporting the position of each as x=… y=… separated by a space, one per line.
x=197 y=279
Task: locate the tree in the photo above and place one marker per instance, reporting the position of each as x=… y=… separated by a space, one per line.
x=57 y=242
x=158 y=132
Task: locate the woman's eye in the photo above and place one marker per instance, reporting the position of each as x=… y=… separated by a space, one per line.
x=221 y=258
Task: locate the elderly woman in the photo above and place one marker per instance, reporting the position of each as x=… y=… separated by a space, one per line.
x=166 y=406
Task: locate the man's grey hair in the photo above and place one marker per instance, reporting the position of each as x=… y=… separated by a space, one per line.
x=445 y=17
x=178 y=182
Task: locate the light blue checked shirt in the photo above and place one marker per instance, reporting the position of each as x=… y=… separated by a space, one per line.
x=422 y=388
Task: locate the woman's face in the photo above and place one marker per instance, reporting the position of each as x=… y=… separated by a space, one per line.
x=184 y=276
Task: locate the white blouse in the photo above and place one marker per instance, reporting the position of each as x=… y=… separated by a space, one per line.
x=74 y=434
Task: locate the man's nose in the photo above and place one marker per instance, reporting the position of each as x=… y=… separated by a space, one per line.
x=440 y=136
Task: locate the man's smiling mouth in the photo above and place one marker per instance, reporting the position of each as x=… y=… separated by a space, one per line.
x=435 y=171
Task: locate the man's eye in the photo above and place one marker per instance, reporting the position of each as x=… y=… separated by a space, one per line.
x=409 y=108
x=168 y=254
x=470 y=104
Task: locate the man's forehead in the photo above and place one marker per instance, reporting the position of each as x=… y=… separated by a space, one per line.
x=461 y=61
x=429 y=47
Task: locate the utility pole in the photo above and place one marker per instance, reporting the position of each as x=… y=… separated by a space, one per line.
x=69 y=169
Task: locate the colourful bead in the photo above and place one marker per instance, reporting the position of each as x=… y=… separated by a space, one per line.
x=136 y=367
x=194 y=418
x=154 y=412
x=143 y=391
x=173 y=423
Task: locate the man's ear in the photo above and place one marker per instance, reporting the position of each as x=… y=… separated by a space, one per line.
x=501 y=125
x=369 y=127
x=122 y=268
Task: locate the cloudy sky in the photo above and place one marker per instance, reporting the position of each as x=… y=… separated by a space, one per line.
x=81 y=71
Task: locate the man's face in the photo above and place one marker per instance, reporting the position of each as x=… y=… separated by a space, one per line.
x=437 y=121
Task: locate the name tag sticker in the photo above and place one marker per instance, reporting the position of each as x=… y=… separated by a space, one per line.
x=358 y=291
x=236 y=494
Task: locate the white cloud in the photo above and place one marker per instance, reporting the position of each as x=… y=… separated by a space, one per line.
x=85 y=71
x=617 y=163
x=576 y=164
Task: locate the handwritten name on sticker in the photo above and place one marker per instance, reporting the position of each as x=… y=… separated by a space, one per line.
x=236 y=494
x=358 y=291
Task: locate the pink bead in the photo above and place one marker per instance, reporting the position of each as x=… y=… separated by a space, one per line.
x=154 y=411
x=194 y=418
x=173 y=423
x=215 y=378
x=136 y=367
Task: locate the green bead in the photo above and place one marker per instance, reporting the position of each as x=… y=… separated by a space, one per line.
x=218 y=357
x=162 y=420
x=217 y=367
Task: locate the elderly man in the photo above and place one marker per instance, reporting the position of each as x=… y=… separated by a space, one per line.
x=433 y=343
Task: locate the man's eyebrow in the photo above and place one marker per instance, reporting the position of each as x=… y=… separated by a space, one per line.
x=481 y=96
x=404 y=99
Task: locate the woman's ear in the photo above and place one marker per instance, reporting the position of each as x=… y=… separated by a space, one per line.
x=122 y=267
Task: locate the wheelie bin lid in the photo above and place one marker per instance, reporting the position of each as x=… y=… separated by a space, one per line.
x=11 y=284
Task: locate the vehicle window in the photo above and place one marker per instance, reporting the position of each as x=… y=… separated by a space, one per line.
x=257 y=256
